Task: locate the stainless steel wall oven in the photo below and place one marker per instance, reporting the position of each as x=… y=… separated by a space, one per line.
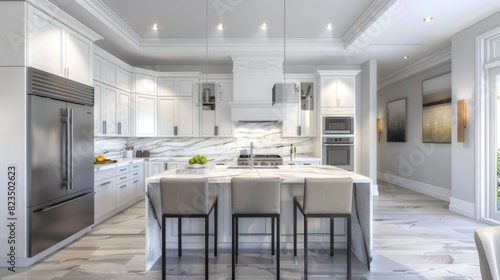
x=339 y=152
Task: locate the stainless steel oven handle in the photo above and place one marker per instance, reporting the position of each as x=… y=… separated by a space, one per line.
x=338 y=145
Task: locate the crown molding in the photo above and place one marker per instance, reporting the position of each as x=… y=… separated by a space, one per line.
x=369 y=16
x=437 y=59
x=113 y=21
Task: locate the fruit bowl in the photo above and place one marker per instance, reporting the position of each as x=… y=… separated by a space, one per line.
x=195 y=166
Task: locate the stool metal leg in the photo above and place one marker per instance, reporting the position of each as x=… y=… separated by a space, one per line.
x=233 y=254
x=206 y=247
x=272 y=236
x=216 y=225
x=331 y=236
x=179 y=238
x=349 y=248
x=163 y=253
x=305 y=247
x=278 y=247
x=294 y=229
x=236 y=238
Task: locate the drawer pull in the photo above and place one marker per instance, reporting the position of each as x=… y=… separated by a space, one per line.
x=105 y=183
x=136 y=181
x=135 y=174
x=123 y=178
x=125 y=169
x=121 y=187
x=306 y=164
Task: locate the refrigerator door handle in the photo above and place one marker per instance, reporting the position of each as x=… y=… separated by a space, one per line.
x=65 y=119
x=69 y=153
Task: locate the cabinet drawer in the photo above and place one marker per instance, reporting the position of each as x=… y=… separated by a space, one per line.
x=120 y=170
x=104 y=174
x=338 y=110
x=136 y=167
x=122 y=178
x=135 y=175
x=104 y=197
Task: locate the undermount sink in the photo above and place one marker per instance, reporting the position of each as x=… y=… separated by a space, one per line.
x=255 y=167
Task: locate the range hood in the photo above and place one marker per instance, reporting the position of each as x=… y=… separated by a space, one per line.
x=253 y=82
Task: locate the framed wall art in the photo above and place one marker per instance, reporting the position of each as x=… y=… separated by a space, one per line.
x=436 y=109
x=396 y=120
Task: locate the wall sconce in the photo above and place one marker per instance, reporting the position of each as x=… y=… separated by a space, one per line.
x=379 y=128
x=461 y=120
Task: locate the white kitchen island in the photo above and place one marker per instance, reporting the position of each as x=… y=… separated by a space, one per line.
x=255 y=233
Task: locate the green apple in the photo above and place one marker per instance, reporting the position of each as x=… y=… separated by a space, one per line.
x=203 y=159
x=191 y=161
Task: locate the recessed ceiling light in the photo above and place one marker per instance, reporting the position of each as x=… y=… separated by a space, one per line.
x=264 y=26
x=220 y=26
x=155 y=26
x=329 y=26
x=405 y=57
x=428 y=19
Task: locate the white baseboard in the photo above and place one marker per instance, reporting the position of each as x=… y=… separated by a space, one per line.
x=463 y=207
x=427 y=189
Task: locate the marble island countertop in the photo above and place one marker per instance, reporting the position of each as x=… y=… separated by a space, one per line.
x=289 y=173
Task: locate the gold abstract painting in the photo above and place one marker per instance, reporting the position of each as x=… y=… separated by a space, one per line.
x=436 y=109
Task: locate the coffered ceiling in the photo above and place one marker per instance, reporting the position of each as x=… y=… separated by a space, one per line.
x=383 y=30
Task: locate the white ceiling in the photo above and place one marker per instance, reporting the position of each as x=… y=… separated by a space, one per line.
x=383 y=30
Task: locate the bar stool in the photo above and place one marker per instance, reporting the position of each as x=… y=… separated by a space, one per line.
x=186 y=198
x=256 y=198
x=487 y=243
x=324 y=198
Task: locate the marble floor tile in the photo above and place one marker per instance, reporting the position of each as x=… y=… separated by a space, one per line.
x=415 y=237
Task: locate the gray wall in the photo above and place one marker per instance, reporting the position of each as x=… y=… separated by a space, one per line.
x=422 y=166
x=464 y=86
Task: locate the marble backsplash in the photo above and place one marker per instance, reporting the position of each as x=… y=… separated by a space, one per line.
x=266 y=137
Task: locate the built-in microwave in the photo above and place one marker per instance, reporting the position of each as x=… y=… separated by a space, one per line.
x=338 y=125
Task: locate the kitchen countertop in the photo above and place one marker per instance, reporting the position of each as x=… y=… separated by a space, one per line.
x=119 y=162
x=289 y=173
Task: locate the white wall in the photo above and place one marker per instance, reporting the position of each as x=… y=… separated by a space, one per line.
x=424 y=167
x=464 y=87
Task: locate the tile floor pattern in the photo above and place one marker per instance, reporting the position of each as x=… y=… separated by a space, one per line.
x=415 y=237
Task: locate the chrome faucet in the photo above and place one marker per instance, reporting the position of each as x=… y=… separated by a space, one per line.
x=251 y=155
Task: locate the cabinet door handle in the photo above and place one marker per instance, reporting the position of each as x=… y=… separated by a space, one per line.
x=103 y=127
x=299 y=130
x=175 y=130
x=119 y=127
x=105 y=183
x=216 y=130
x=121 y=187
x=166 y=166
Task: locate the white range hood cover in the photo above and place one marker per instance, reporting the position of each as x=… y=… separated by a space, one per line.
x=253 y=81
x=257 y=112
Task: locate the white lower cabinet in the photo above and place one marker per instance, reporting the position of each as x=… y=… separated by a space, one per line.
x=156 y=167
x=104 y=187
x=116 y=189
x=312 y=161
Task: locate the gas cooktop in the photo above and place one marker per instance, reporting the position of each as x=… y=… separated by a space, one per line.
x=262 y=160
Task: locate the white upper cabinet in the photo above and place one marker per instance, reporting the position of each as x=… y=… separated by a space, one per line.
x=176 y=117
x=55 y=48
x=301 y=116
x=338 y=92
x=215 y=111
x=111 y=111
x=111 y=74
x=176 y=86
x=144 y=84
x=145 y=115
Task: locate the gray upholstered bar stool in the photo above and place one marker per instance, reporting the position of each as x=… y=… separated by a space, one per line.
x=488 y=247
x=256 y=198
x=186 y=198
x=324 y=198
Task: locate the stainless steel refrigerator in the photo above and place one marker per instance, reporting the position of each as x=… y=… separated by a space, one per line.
x=60 y=159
